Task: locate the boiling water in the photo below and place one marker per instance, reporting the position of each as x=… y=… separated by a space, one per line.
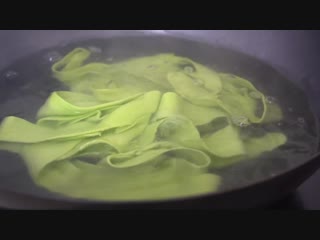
x=26 y=84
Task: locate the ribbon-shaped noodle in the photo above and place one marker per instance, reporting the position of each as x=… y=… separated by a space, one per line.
x=145 y=128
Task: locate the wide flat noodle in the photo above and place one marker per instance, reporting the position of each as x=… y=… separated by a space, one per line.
x=144 y=128
x=241 y=99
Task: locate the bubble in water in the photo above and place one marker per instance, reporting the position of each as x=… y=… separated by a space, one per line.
x=270 y=99
x=255 y=95
x=94 y=49
x=242 y=124
x=53 y=56
x=109 y=59
x=301 y=120
x=240 y=121
x=188 y=69
x=11 y=74
x=280 y=124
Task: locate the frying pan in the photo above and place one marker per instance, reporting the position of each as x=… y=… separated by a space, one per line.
x=292 y=55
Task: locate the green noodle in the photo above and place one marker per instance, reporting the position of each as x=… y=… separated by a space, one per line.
x=132 y=130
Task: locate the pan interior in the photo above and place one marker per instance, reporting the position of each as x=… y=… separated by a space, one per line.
x=27 y=83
